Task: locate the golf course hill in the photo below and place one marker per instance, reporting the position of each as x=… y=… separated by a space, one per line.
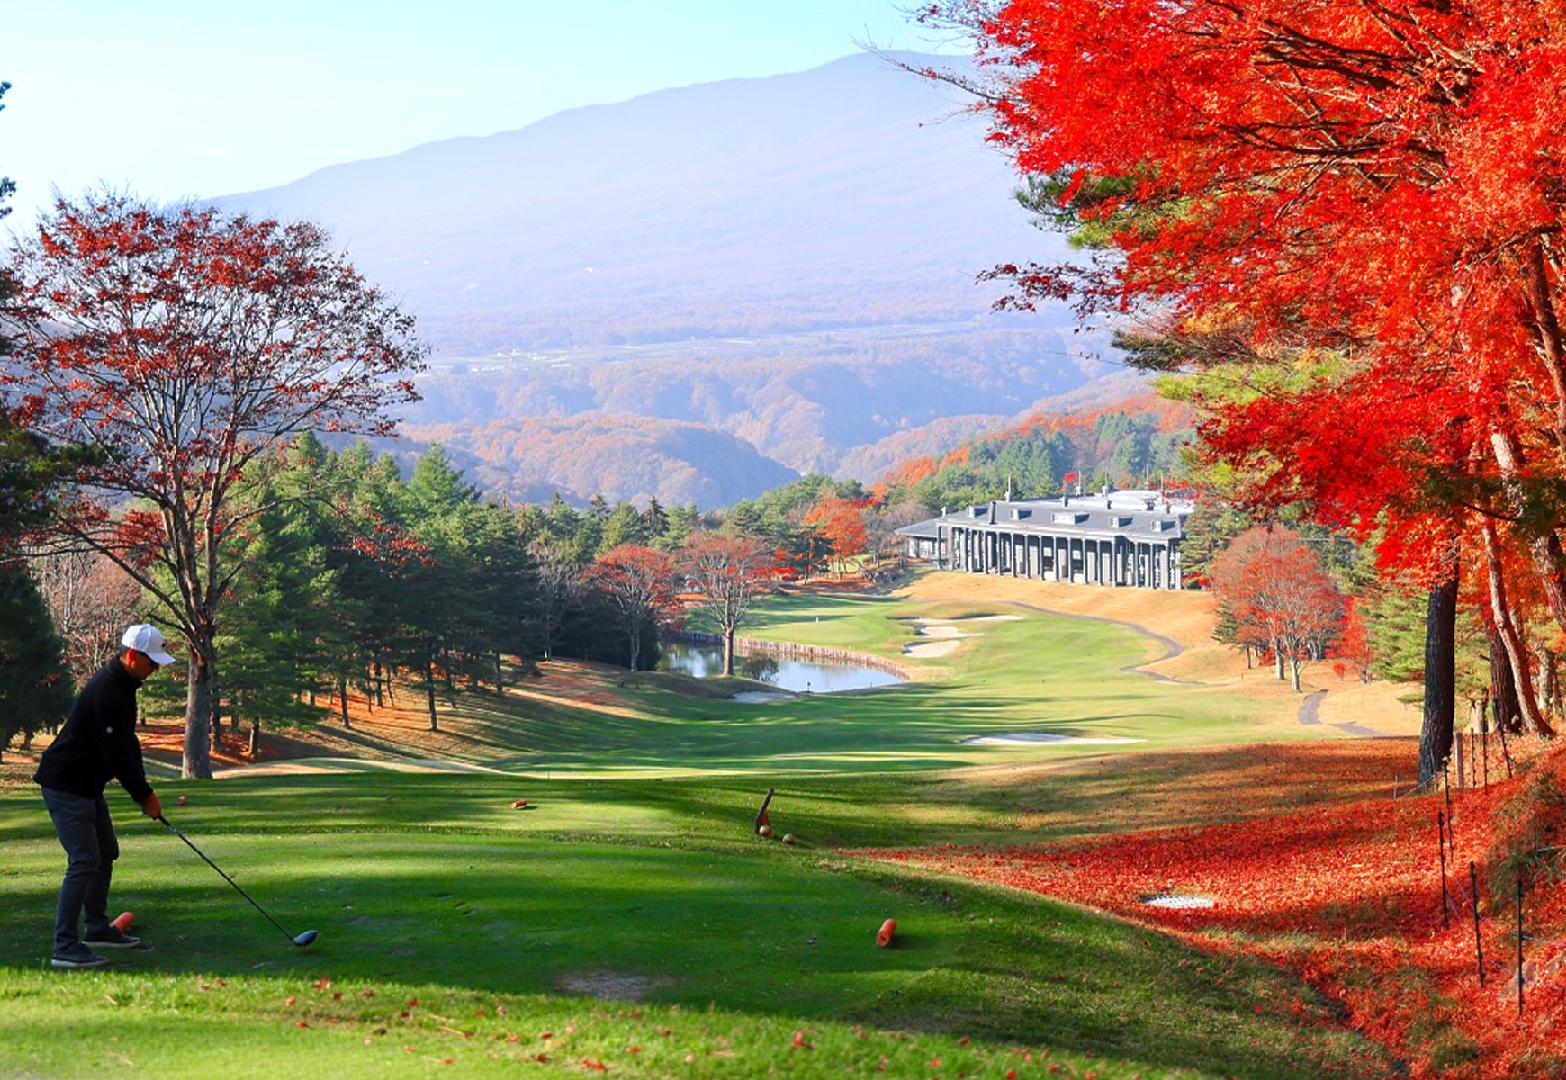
x=566 y=875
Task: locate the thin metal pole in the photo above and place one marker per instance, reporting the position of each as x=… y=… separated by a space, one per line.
x=1446 y=919
x=1519 y=945
x=1473 y=888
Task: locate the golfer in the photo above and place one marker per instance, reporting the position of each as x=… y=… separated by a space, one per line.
x=98 y=743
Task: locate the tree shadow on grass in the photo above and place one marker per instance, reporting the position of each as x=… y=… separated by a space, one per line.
x=767 y=932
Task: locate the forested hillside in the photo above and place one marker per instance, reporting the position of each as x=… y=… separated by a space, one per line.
x=1136 y=443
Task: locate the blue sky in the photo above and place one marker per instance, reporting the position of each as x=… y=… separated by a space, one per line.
x=179 y=99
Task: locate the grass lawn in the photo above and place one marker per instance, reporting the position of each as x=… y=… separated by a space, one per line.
x=647 y=891
x=1042 y=673
x=631 y=915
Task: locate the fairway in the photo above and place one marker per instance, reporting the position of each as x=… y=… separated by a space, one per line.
x=630 y=913
x=1033 y=672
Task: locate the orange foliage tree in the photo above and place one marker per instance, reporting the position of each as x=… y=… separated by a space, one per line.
x=639 y=583
x=1382 y=182
x=842 y=522
x=727 y=571
x=1273 y=586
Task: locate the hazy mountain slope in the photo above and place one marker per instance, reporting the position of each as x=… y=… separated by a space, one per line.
x=806 y=401
x=845 y=195
x=789 y=260
x=629 y=457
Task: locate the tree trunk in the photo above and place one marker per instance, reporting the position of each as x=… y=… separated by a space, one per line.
x=197 y=763
x=1527 y=700
x=1503 y=687
x=1435 y=734
x=342 y=700
x=1547 y=328
x=1548 y=678
x=255 y=737
x=636 y=644
x=380 y=684
x=1294 y=669
x=1277 y=659
x=1511 y=635
x=1549 y=559
x=429 y=686
x=728 y=651
x=500 y=677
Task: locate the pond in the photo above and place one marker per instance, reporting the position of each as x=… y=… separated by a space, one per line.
x=800 y=676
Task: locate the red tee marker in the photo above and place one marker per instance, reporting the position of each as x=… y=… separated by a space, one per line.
x=883 y=936
x=122 y=921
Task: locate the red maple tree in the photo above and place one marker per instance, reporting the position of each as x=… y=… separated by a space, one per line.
x=727 y=571
x=1274 y=182
x=1276 y=590
x=183 y=343
x=842 y=522
x=639 y=583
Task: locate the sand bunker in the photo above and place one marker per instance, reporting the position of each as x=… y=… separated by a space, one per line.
x=929 y=650
x=945 y=635
x=1033 y=738
x=763 y=697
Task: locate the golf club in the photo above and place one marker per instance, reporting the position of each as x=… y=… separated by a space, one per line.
x=301 y=940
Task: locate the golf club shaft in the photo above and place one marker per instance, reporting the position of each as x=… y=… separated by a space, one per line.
x=225 y=877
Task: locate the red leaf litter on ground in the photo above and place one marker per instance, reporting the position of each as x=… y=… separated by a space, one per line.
x=1349 y=897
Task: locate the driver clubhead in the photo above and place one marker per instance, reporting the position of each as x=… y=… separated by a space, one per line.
x=305 y=938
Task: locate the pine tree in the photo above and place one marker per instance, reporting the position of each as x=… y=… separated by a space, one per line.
x=35 y=684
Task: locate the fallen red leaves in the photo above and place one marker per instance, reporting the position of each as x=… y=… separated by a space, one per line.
x=1349 y=896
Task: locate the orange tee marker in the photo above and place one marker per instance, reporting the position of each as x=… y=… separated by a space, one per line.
x=883 y=936
x=123 y=921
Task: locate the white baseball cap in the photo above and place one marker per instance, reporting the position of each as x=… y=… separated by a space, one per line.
x=146 y=639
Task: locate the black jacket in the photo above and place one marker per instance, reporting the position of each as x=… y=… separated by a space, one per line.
x=98 y=742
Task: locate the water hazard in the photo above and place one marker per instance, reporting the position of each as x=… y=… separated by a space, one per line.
x=800 y=676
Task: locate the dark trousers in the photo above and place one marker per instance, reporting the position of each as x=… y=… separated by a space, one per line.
x=87 y=835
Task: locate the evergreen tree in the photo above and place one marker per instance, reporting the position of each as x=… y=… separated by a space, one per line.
x=35 y=684
x=285 y=623
x=655 y=522
x=624 y=526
